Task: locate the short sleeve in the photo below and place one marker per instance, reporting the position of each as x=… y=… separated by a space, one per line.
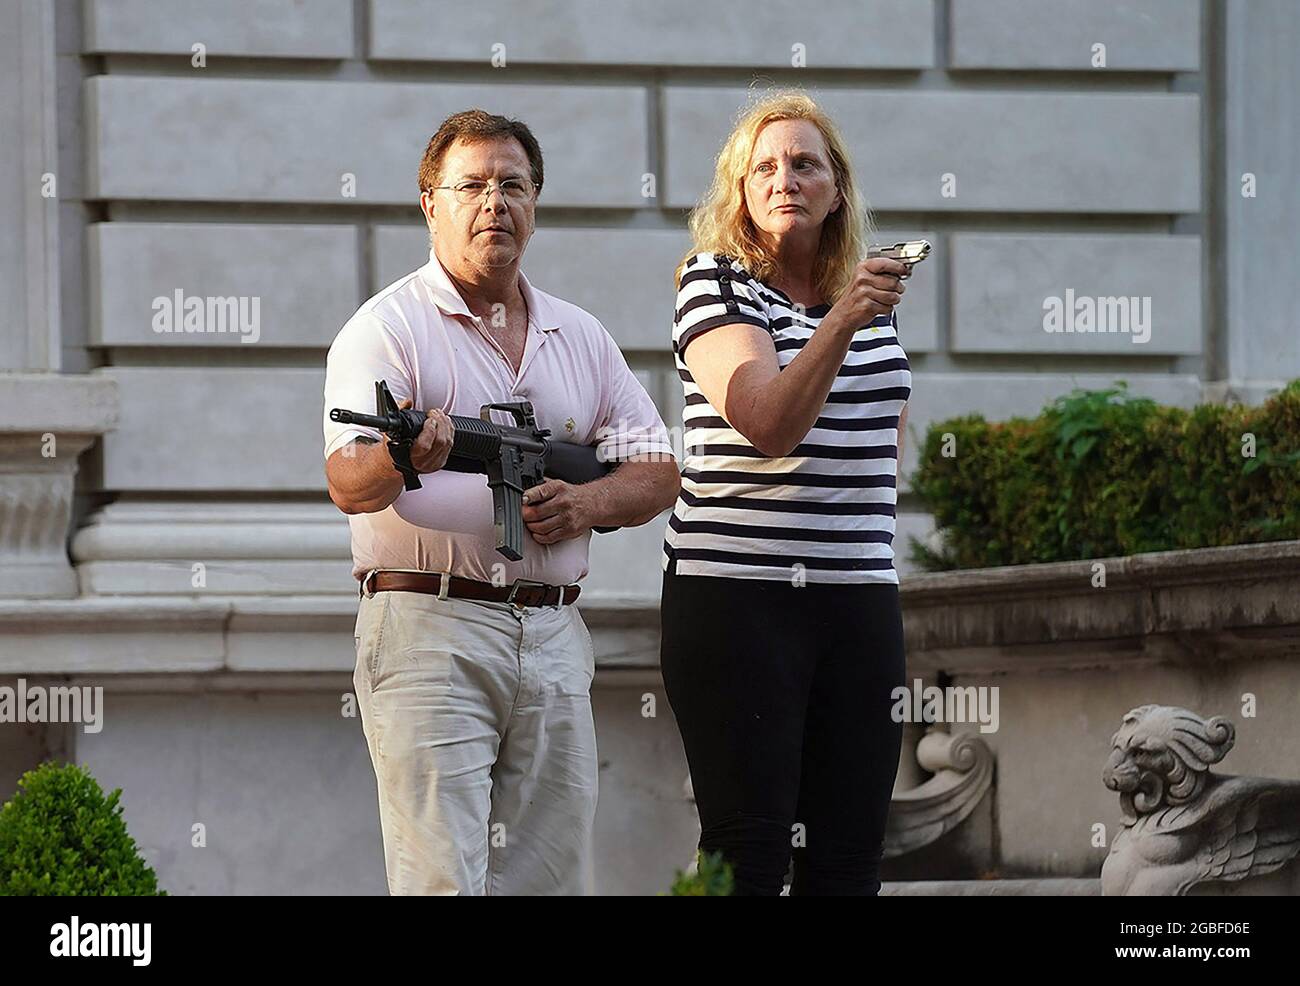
x=365 y=350
x=629 y=424
x=713 y=292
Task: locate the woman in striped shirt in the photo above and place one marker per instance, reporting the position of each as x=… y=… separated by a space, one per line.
x=782 y=637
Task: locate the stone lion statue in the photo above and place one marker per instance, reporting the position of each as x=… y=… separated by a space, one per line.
x=1183 y=825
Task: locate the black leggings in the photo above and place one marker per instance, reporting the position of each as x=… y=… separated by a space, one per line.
x=782 y=694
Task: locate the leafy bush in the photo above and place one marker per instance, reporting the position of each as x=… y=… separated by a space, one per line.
x=712 y=878
x=1103 y=473
x=59 y=836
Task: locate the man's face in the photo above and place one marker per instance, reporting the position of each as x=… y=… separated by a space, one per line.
x=492 y=230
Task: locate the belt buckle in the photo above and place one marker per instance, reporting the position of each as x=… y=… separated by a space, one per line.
x=524 y=583
x=365 y=584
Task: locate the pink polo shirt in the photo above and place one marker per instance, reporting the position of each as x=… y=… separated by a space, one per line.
x=419 y=335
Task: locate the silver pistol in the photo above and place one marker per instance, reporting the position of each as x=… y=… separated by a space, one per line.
x=908 y=252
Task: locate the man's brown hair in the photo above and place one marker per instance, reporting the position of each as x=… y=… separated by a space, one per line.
x=473 y=126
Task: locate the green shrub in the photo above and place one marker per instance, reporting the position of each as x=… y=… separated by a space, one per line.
x=1103 y=473
x=59 y=836
x=712 y=878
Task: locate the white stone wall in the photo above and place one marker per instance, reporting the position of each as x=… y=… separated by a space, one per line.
x=1063 y=172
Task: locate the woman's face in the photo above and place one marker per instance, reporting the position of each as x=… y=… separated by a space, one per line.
x=790 y=188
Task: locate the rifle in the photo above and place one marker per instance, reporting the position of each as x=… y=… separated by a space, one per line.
x=514 y=458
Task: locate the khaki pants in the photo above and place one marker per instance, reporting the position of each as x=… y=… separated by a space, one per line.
x=478 y=719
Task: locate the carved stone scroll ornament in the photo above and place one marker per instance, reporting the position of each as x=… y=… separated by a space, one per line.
x=962 y=765
x=1183 y=825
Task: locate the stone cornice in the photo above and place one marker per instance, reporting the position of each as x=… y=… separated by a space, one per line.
x=62 y=403
x=141 y=635
x=1178 y=606
x=1202 y=604
x=1158 y=568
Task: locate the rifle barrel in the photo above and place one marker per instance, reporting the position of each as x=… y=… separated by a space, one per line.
x=357 y=418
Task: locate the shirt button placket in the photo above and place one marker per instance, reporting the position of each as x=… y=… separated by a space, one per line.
x=724 y=280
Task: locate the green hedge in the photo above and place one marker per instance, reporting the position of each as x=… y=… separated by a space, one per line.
x=1103 y=473
x=713 y=877
x=60 y=836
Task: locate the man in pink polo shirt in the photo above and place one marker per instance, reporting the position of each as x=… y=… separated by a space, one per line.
x=473 y=672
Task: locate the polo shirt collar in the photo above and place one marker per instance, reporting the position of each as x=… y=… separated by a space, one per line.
x=448 y=298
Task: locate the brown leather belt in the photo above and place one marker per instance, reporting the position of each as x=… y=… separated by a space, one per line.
x=522 y=592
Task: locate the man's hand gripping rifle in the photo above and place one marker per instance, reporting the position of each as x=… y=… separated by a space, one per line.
x=514 y=458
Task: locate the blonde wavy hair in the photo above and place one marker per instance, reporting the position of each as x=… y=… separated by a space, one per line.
x=721 y=222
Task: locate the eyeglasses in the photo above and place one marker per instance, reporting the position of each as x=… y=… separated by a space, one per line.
x=472 y=189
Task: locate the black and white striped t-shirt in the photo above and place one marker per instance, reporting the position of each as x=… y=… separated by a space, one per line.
x=828 y=506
